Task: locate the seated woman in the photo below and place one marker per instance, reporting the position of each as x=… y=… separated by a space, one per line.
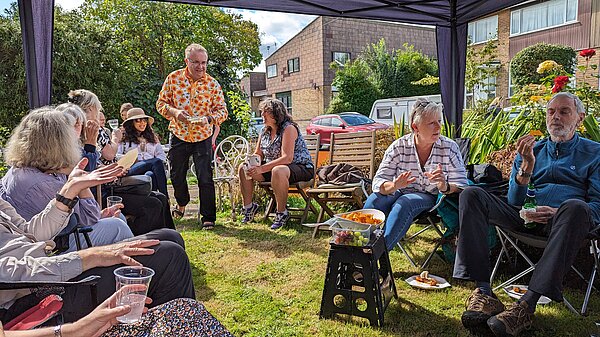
x=42 y=150
x=139 y=135
x=414 y=169
x=86 y=131
x=147 y=212
x=284 y=157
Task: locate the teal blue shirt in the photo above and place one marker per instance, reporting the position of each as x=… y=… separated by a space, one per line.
x=568 y=170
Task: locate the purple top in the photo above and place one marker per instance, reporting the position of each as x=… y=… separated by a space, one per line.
x=29 y=190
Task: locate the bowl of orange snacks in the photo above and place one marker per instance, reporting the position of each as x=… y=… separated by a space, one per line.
x=372 y=217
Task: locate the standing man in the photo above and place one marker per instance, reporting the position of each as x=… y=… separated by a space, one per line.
x=566 y=171
x=193 y=103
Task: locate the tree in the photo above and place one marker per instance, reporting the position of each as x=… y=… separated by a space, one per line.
x=523 y=66
x=379 y=73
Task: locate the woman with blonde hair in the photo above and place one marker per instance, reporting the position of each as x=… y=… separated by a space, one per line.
x=42 y=150
x=414 y=169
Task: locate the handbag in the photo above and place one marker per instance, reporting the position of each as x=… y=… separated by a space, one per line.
x=137 y=184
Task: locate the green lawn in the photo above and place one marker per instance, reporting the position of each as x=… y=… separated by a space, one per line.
x=259 y=282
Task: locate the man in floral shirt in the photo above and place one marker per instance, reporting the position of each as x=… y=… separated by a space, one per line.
x=193 y=103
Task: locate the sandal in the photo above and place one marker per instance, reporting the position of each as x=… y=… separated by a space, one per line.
x=177 y=214
x=208 y=225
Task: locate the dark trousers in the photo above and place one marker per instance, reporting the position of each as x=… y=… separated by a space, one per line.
x=172 y=279
x=478 y=209
x=179 y=157
x=155 y=169
x=149 y=212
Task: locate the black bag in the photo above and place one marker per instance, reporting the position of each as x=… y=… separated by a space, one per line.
x=138 y=185
x=483 y=173
x=340 y=174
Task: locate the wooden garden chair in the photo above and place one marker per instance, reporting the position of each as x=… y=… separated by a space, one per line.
x=356 y=149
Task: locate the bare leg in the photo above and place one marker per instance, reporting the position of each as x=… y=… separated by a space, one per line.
x=280 y=177
x=246 y=185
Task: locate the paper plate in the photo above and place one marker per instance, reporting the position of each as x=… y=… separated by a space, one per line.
x=377 y=214
x=509 y=290
x=128 y=159
x=442 y=283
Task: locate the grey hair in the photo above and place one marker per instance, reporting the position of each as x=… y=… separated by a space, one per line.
x=424 y=108
x=43 y=140
x=194 y=47
x=578 y=103
x=73 y=111
x=85 y=99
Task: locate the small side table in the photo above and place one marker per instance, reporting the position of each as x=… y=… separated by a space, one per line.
x=358 y=281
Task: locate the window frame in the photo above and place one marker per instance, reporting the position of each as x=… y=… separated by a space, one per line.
x=274 y=65
x=295 y=62
x=489 y=35
x=286 y=98
x=566 y=21
x=333 y=59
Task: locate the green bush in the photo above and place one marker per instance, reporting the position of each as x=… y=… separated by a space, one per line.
x=524 y=65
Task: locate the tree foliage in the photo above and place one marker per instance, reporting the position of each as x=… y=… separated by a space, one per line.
x=379 y=73
x=123 y=50
x=523 y=66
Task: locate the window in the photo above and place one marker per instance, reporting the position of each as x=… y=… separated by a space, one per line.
x=325 y=121
x=483 y=91
x=286 y=98
x=354 y=120
x=272 y=70
x=340 y=57
x=484 y=29
x=293 y=65
x=336 y=122
x=542 y=16
x=511 y=86
x=384 y=113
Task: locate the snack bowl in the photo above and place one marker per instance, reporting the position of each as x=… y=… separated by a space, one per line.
x=350 y=233
x=376 y=214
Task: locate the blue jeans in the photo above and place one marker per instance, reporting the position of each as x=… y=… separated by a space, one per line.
x=153 y=168
x=400 y=210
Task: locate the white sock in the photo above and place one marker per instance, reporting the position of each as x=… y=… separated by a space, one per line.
x=248 y=206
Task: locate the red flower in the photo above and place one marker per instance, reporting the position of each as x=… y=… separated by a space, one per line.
x=559 y=83
x=587 y=53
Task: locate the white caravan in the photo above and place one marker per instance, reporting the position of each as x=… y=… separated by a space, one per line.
x=385 y=110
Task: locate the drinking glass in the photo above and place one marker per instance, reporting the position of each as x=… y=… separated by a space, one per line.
x=136 y=299
x=113 y=200
x=113 y=123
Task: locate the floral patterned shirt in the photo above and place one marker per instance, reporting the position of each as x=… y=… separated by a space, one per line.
x=203 y=97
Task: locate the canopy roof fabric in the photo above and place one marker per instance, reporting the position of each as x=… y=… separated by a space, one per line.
x=449 y=16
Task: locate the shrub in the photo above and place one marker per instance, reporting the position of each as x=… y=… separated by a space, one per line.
x=524 y=65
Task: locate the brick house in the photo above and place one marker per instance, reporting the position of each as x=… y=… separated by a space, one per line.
x=574 y=23
x=254 y=86
x=299 y=72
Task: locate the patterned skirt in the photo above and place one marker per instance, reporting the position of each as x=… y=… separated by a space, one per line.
x=180 y=317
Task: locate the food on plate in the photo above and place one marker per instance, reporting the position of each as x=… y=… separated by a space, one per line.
x=349 y=238
x=519 y=290
x=424 y=278
x=361 y=217
x=536 y=133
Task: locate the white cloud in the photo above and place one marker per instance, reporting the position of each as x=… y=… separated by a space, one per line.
x=69 y=4
x=275 y=28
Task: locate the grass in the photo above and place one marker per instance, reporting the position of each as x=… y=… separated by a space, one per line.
x=259 y=282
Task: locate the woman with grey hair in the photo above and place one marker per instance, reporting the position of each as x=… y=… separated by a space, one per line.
x=91 y=106
x=414 y=169
x=284 y=160
x=88 y=139
x=42 y=150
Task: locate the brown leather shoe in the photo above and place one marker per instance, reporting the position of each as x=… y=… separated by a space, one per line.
x=479 y=308
x=512 y=321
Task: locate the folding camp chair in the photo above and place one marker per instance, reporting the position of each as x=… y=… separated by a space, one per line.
x=431 y=219
x=74 y=227
x=512 y=239
x=312 y=143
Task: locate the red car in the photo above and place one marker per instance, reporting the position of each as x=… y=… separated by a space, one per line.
x=345 y=122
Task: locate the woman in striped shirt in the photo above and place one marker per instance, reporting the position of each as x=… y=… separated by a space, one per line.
x=414 y=169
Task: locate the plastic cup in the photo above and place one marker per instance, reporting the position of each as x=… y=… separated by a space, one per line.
x=113 y=200
x=132 y=275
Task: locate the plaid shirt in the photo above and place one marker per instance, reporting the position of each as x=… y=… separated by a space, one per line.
x=402 y=156
x=203 y=97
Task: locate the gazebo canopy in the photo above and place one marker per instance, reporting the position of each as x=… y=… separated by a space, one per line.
x=449 y=16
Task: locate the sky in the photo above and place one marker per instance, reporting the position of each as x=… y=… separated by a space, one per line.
x=275 y=28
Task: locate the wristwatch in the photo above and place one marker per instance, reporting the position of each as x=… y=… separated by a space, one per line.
x=70 y=203
x=523 y=173
x=57 y=331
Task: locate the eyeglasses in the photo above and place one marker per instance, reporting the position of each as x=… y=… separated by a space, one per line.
x=140 y=120
x=195 y=63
